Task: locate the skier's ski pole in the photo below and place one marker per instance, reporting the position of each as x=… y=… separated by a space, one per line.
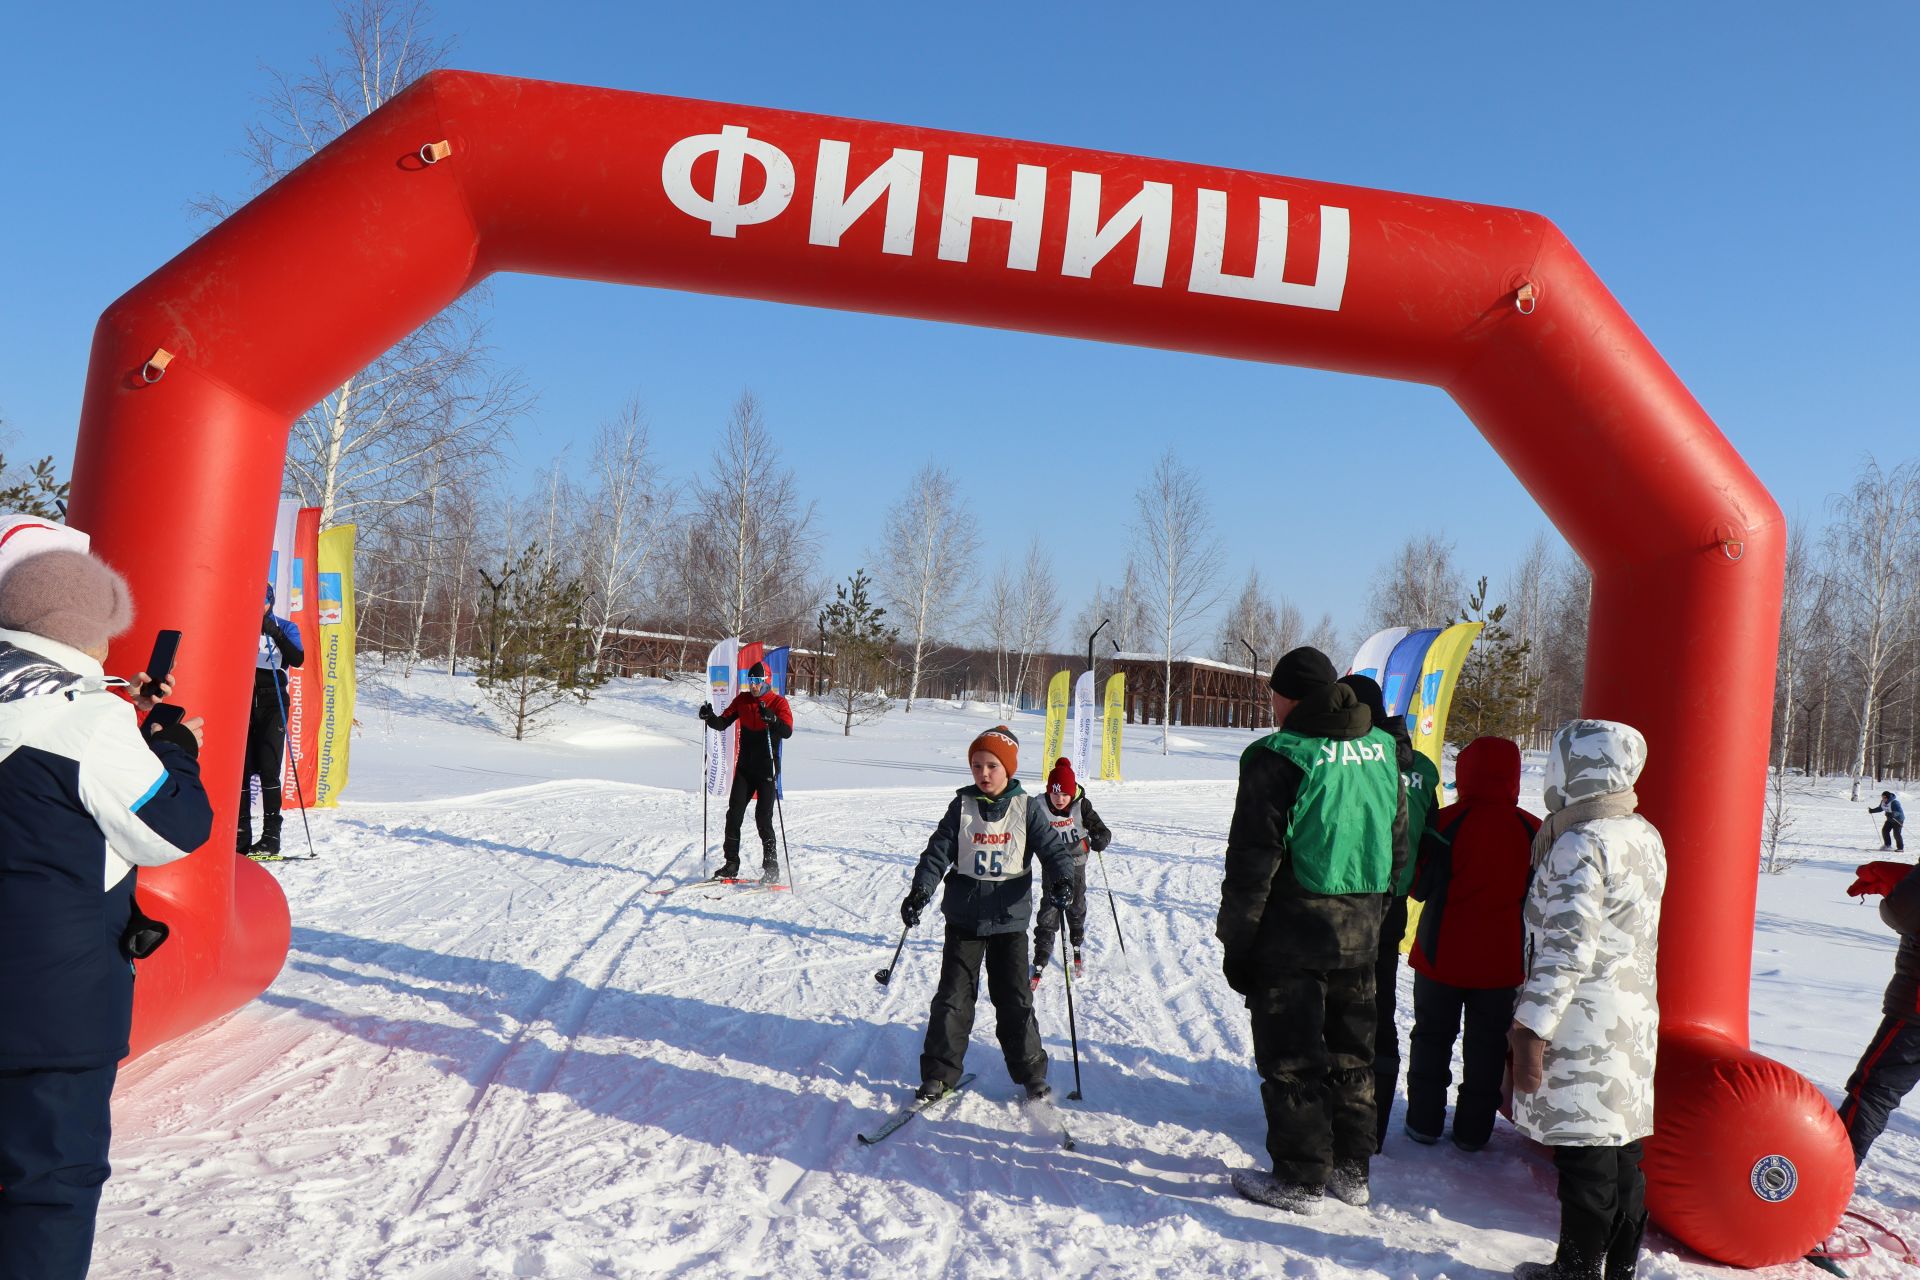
x=280 y=697
x=705 y=743
x=884 y=976
x=1111 y=903
x=786 y=850
x=1073 y=1034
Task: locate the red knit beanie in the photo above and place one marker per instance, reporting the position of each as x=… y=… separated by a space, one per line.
x=1004 y=746
x=1061 y=783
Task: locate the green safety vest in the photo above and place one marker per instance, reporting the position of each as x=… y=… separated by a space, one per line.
x=1340 y=832
x=1423 y=797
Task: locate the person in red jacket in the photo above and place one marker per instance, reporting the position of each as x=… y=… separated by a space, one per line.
x=765 y=719
x=1467 y=954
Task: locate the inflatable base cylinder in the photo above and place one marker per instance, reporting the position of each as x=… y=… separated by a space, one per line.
x=1748 y=1163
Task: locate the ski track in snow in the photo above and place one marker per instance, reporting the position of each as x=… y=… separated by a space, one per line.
x=493 y=1052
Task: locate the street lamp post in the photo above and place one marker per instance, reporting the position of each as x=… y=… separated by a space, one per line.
x=1254 y=670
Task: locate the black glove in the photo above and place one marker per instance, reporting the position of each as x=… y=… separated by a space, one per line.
x=267 y=626
x=1060 y=895
x=911 y=908
x=1238 y=966
x=765 y=706
x=705 y=712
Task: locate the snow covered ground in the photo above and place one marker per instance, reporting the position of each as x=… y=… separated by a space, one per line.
x=496 y=1051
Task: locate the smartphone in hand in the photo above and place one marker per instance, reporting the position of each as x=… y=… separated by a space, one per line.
x=166 y=646
x=163 y=715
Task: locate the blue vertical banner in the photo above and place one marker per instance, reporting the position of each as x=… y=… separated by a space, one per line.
x=1401 y=677
x=776 y=660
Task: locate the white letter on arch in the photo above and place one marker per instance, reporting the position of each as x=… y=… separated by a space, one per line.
x=834 y=210
x=1270 y=257
x=1150 y=209
x=1023 y=210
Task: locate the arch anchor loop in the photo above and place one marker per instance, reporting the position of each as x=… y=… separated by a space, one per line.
x=1525 y=299
x=156 y=366
x=435 y=152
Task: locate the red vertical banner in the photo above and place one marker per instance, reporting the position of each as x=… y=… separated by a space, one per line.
x=305 y=689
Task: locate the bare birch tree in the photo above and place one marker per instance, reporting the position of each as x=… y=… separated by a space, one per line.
x=1123 y=609
x=1871 y=550
x=1254 y=621
x=625 y=523
x=436 y=398
x=923 y=562
x=1179 y=557
x=752 y=547
x=999 y=625
x=1036 y=612
x=1420 y=587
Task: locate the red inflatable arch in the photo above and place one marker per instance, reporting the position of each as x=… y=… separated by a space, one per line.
x=198 y=373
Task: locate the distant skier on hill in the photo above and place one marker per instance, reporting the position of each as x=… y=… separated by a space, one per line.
x=1072 y=815
x=765 y=720
x=1890 y=830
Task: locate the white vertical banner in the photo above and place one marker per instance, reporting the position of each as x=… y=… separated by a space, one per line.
x=723 y=682
x=1086 y=727
x=280 y=559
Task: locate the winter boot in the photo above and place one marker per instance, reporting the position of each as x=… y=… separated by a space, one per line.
x=770 y=867
x=269 y=841
x=729 y=866
x=931 y=1091
x=1033 y=978
x=1038 y=1091
x=1623 y=1251
x=1348 y=1183
x=1424 y=1139
x=1262 y=1187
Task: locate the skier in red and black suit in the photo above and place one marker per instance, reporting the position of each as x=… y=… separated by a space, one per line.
x=1890 y=1067
x=765 y=718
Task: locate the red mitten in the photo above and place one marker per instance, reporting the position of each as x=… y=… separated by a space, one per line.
x=1877 y=877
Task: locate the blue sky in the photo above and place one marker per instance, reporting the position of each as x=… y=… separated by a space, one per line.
x=1743 y=177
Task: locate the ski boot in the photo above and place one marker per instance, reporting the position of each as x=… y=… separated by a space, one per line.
x=1079 y=965
x=729 y=869
x=931 y=1091
x=1038 y=972
x=267 y=847
x=1038 y=1091
x=770 y=871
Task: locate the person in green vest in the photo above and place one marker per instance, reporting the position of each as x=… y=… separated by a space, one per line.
x=1314 y=853
x=1421 y=777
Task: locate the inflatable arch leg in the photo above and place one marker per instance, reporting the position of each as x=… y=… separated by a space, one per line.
x=198 y=372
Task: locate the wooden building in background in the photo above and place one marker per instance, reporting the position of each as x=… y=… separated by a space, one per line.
x=1205 y=692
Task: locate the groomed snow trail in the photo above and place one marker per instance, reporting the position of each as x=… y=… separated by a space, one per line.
x=494 y=1053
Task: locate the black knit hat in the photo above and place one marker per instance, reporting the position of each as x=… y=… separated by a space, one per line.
x=758 y=671
x=1301 y=671
x=1367 y=689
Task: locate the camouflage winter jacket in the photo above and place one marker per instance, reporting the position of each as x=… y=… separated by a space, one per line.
x=1592 y=930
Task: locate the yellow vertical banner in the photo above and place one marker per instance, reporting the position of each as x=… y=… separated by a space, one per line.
x=335 y=651
x=1110 y=726
x=1427 y=712
x=1059 y=692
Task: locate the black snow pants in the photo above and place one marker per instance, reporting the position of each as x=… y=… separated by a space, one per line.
x=54 y=1131
x=266 y=751
x=1886 y=1072
x=1047 y=926
x=1313 y=1046
x=1437 y=1013
x=1603 y=1213
x=950 y=1021
x=745 y=789
x=1891 y=836
x=1386 y=1002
